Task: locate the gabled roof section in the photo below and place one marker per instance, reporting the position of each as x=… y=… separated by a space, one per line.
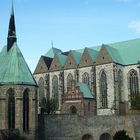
x=93 y=53
x=104 y=56
x=43 y=65
x=58 y=62
x=129 y=51
x=76 y=55
x=62 y=59
x=85 y=90
x=14 y=69
x=89 y=57
x=73 y=59
x=52 y=51
x=115 y=55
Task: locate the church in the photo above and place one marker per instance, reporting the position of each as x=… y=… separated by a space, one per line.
x=102 y=80
x=18 y=88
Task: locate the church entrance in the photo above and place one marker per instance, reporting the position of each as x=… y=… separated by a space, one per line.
x=73 y=110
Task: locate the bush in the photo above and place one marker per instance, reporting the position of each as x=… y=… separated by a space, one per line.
x=121 y=135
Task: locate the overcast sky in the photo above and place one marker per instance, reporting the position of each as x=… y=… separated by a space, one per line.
x=70 y=24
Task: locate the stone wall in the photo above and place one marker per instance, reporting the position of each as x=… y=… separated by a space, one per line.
x=74 y=127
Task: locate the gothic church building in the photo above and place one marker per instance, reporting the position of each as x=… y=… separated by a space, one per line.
x=103 y=80
x=18 y=88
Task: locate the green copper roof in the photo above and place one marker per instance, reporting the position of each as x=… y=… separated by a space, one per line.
x=14 y=69
x=62 y=59
x=52 y=51
x=129 y=51
x=93 y=53
x=76 y=55
x=85 y=90
x=125 y=52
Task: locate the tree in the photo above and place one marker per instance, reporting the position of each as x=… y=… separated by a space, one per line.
x=121 y=135
x=49 y=106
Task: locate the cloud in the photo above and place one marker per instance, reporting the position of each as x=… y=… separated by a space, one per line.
x=135 y=25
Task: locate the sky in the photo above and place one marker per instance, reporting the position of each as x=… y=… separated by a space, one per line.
x=69 y=24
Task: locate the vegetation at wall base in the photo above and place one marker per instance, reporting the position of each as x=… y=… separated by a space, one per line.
x=121 y=135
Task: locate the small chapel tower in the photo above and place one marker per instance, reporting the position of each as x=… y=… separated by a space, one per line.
x=18 y=89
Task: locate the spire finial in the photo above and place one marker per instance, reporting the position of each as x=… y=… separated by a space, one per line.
x=12 y=30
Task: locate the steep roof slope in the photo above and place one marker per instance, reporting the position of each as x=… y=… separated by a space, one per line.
x=14 y=69
x=52 y=51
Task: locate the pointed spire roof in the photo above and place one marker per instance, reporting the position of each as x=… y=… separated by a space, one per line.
x=14 y=69
x=12 y=30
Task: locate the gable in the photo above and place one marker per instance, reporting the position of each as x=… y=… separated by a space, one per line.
x=55 y=64
x=41 y=67
x=70 y=62
x=86 y=59
x=103 y=56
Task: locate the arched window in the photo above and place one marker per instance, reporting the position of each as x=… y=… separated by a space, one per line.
x=55 y=89
x=69 y=80
x=73 y=110
x=41 y=89
x=105 y=136
x=103 y=89
x=85 y=78
x=11 y=108
x=120 y=84
x=87 y=137
x=26 y=110
x=134 y=85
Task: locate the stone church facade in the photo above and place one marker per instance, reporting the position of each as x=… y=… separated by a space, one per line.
x=110 y=72
x=18 y=88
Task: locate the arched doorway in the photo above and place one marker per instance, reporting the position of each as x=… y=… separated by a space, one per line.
x=73 y=110
x=87 y=137
x=105 y=136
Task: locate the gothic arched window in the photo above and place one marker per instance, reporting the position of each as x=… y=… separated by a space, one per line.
x=26 y=110
x=134 y=85
x=55 y=88
x=41 y=89
x=120 y=84
x=69 y=80
x=85 y=78
x=11 y=108
x=103 y=89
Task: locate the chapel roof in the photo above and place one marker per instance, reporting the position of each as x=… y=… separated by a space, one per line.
x=14 y=69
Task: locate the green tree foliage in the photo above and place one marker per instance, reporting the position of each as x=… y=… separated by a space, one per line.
x=121 y=135
x=48 y=106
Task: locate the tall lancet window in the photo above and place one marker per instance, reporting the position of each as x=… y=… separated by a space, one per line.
x=85 y=78
x=41 y=89
x=134 y=85
x=26 y=110
x=120 y=84
x=69 y=81
x=11 y=108
x=55 y=89
x=103 y=89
